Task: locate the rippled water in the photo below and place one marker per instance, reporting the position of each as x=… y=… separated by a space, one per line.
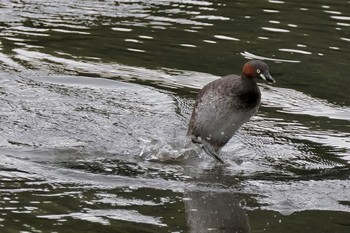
x=95 y=98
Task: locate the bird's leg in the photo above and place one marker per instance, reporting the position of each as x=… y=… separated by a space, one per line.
x=211 y=151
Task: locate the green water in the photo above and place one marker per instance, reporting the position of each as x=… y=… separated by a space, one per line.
x=88 y=86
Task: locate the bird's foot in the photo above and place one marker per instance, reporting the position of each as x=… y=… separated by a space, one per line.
x=212 y=152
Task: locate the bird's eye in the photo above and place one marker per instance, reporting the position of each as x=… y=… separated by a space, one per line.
x=258 y=71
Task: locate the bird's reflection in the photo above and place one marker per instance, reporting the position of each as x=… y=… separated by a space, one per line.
x=215 y=212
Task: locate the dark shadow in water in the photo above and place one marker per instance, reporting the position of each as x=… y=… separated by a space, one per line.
x=215 y=212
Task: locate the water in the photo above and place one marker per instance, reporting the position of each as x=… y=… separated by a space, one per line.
x=88 y=86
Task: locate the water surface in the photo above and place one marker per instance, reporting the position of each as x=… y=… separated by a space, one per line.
x=88 y=86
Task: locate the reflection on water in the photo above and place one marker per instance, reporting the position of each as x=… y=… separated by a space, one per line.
x=86 y=87
x=215 y=212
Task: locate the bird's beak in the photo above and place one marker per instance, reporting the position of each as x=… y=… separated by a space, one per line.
x=267 y=77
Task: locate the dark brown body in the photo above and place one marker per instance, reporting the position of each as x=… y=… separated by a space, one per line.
x=224 y=105
x=221 y=108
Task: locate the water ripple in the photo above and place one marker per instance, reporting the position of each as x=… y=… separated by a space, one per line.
x=70 y=144
x=271 y=29
x=249 y=55
x=222 y=37
x=295 y=51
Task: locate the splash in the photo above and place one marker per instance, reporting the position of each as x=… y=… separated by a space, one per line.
x=178 y=149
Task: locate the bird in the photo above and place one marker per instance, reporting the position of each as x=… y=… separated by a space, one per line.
x=224 y=105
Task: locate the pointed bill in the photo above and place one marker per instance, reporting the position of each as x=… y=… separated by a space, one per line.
x=267 y=77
